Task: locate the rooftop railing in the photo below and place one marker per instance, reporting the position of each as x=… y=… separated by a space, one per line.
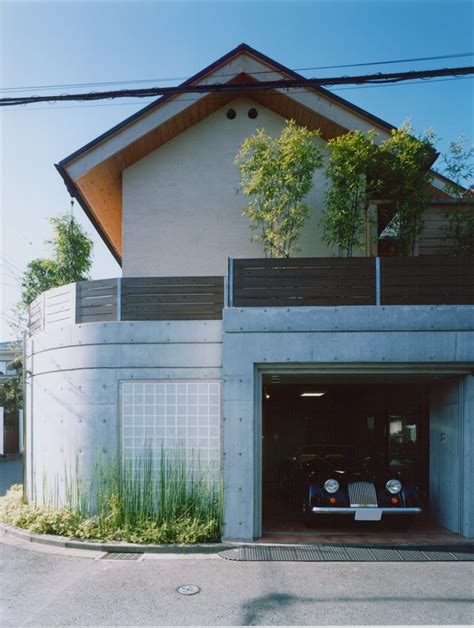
x=430 y=280
x=129 y=299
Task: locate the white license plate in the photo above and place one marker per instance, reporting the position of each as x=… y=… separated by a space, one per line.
x=368 y=514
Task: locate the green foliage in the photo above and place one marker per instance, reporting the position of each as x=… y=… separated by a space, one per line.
x=71 y=260
x=351 y=158
x=277 y=174
x=11 y=388
x=131 y=502
x=359 y=170
x=72 y=249
x=40 y=275
x=459 y=230
x=459 y=167
x=403 y=178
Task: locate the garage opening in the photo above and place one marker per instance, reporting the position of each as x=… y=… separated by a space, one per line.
x=356 y=431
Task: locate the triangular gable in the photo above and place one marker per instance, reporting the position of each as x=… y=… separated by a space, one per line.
x=93 y=174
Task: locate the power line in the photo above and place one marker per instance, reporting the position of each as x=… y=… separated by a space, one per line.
x=371 y=79
x=181 y=78
x=337 y=89
x=10 y=263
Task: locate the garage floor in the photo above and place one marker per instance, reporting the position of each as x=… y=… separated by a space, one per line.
x=279 y=526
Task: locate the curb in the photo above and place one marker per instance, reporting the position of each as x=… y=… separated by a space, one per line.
x=113 y=546
x=52 y=540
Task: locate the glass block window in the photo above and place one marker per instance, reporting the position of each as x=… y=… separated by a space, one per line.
x=181 y=419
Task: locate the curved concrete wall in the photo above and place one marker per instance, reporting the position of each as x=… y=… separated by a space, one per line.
x=73 y=387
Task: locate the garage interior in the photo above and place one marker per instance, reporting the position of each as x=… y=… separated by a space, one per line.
x=385 y=416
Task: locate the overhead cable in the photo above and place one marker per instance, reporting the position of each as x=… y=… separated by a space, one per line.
x=22 y=88
x=248 y=86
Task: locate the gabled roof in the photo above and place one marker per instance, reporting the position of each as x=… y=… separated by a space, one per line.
x=92 y=174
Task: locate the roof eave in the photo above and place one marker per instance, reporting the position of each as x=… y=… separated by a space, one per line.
x=76 y=193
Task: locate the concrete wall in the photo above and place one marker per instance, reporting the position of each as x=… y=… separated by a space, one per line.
x=73 y=389
x=467 y=453
x=182 y=206
x=76 y=372
x=405 y=340
x=446 y=445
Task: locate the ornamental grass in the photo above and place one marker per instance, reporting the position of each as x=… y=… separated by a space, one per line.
x=135 y=501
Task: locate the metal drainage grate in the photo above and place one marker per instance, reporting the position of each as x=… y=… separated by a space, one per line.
x=353 y=553
x=121 y=556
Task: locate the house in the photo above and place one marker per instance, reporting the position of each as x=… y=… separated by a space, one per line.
x=7 y=356
x=204 y=342
x=10 y=414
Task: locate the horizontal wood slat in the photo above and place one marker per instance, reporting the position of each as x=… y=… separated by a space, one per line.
x=96 y=301
x=301 y=262
x=59 y=306
x=131 y=282
x=36 y=315
x=427 y=280
x=304 y=281
x=172 y=298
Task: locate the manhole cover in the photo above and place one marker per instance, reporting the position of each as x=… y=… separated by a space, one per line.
x=188 y=589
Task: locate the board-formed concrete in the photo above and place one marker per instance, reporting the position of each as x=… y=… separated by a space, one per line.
x=73 y=388
x=403 y=340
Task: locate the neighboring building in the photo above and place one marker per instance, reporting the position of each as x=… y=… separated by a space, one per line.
x=10 y=414
x=176 y=352
x=7 y=355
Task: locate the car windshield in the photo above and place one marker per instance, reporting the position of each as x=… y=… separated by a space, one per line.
x=340 y=456
x=325 y=451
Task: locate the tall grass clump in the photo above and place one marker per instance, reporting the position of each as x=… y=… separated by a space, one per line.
x=170 y=500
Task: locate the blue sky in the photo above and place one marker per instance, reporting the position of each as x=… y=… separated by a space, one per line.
x=57 y=43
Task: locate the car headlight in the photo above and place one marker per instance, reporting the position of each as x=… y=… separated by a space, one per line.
x=331 y=486
x=393 y=486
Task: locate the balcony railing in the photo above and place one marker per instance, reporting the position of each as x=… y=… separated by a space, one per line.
x=291 y=282
x=430 y=280
x=129 y=299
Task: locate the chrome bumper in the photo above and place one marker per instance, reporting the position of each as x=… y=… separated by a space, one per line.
x=328 y=510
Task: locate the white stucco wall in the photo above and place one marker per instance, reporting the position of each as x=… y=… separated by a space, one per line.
x=182 y=207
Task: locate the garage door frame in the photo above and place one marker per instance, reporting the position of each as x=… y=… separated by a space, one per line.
x=338 y=370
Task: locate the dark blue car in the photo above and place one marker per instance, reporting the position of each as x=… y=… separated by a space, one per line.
x=332 y=480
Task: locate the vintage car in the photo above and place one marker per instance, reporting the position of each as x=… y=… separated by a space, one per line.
x=332 y=480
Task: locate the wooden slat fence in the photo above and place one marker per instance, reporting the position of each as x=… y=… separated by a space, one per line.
x=59 y=306
x=303 y=281
x=172 y=298
x=427 y=280
x=96 y=301
x=424 y=280
x=36 y=315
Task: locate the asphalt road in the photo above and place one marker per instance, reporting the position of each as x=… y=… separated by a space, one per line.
x=44 y=589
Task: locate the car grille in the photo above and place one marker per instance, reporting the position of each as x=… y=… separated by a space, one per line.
x=362 y=494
